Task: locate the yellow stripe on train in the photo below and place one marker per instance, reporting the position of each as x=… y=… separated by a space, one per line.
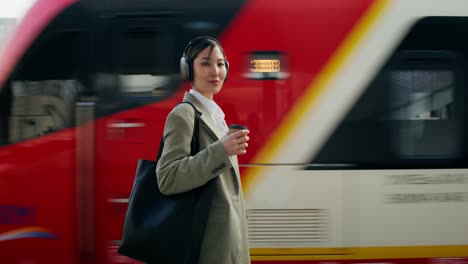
x=313 y=92
x=363 y=253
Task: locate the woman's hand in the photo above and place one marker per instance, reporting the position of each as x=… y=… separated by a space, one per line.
x=236 y=143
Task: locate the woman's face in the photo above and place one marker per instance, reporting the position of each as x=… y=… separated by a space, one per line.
x=209 y=71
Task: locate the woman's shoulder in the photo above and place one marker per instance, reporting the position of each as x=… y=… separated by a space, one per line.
x=182 y=109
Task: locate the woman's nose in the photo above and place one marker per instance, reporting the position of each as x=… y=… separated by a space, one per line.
x=215 y=70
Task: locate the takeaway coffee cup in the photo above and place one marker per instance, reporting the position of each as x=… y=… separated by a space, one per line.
x=234 y=128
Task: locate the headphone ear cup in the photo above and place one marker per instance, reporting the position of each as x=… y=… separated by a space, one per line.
x=227 y=70
x=186 y=71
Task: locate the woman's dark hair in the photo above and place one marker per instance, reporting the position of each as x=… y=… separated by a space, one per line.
x=196 y=45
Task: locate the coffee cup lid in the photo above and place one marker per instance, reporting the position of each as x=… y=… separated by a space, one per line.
x=236 y=126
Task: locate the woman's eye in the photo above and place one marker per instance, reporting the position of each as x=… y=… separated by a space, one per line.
x=220 y=64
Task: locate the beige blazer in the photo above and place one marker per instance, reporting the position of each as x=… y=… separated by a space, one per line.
x=225 y=238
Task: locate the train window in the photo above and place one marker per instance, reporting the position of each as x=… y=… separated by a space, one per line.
x=146 y=66
x=42 y=92
x=422 y=104
x=412 y=113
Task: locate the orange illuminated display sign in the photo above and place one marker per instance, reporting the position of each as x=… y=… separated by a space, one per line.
x=265 y=65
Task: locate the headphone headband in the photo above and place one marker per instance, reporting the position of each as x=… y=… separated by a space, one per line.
x=197 y=39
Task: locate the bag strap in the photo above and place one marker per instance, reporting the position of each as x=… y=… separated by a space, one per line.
x=194 y=144
x=194 y=252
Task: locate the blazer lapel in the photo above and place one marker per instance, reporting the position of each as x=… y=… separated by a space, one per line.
x=235 y=166
x=208 y=122
x=205 y=116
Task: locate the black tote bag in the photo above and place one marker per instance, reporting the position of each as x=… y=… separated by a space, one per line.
x=161 y=228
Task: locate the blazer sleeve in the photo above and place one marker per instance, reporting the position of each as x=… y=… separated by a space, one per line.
x=176 y=170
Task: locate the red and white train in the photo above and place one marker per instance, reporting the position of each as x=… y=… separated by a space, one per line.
x=357 y=111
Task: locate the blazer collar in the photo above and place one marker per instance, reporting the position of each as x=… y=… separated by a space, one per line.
x=205 y=115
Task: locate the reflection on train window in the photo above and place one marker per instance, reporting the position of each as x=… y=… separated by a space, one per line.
x=45 y=87
x=41 y=107
x=147 y=67
x=421 y=94
x=422 y=105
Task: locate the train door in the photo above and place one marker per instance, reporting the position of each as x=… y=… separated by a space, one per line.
x=143 y=69
x=40 y=108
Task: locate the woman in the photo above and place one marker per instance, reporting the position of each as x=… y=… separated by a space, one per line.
x=204 y=65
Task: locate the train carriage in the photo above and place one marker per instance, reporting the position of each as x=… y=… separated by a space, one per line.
x=358 y=151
